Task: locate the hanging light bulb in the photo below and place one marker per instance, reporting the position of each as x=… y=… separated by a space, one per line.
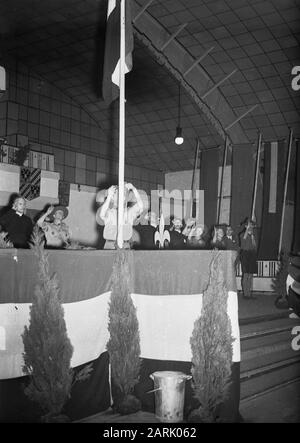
x=178 y=137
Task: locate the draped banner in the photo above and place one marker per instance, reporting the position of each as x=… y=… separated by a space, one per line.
x=243 y=172
x=166 y=290
x=210 y=161
x=274 y=171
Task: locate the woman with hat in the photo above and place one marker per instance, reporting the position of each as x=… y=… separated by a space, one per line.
x=56 y=231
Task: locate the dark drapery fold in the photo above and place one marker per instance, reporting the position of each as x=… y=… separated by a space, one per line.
x=274 y=171
x=87 y=397
x=153 y=273
x=242 y=181
x=210 y=161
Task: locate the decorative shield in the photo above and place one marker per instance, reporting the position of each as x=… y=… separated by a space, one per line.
x=30 y=183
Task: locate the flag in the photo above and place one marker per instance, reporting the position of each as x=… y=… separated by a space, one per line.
x=111 y=68
x=273 y=187
x=30 y=183
x=209 y=170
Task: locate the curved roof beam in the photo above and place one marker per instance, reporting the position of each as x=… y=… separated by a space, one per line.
x=190 y=73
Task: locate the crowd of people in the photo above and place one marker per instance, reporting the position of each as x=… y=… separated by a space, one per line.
x=141 y=230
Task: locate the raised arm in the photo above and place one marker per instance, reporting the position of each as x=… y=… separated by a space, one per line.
x=44 y=216
x=189 y=228
x=139 y=201
x=105 y=206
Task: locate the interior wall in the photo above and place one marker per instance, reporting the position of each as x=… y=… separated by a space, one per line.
x=36 y=112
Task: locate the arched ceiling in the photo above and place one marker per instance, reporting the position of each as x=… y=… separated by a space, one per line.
x=253 y=42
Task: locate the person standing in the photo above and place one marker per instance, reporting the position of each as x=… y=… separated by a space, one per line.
x=231 y=241
x=177 y=239
x=17 y=225
x=248 y=258
x=56 y=231
x=147 y=231
x=108 y=213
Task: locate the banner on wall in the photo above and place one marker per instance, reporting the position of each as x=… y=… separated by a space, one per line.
x=209 y=184
x=30 y=183
x=273 y=185
x=63 y=193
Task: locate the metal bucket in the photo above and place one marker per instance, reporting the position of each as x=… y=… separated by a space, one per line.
x=169 y=388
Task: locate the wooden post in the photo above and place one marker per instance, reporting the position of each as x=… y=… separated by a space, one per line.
x=173 y=36
x=198 y=61
x=142 y=11
x=240 y=117
x=218 y=84
x=285 y=190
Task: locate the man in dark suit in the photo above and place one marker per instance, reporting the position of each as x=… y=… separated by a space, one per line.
x=17 y=225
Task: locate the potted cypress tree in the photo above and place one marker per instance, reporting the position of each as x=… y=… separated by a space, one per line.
x=211 y=345
x=124 y=342
x=47 y=347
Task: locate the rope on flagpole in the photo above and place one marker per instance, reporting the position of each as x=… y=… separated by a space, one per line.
x=285 y=190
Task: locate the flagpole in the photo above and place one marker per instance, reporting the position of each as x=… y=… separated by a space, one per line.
x=256 y=176
x=285 y=190
x=121 y=127
x=222 y=179
x=193 y=179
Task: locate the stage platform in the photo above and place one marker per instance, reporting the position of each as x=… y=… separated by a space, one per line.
x=167 y=288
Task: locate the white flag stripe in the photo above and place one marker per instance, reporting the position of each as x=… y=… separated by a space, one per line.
x=273 y=177
x=111 y=6
x=116 y=74
x=115 y=77
x=164 y=331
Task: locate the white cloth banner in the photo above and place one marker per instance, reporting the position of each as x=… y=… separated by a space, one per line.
x=165 y=324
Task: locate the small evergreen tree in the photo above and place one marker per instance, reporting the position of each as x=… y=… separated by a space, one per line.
x=124 y=343
x=211 y=345
x=4 y=241
x=47 y=348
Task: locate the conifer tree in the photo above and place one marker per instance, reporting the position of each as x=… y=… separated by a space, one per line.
x=211 y=345
x=279 y=281
x=124 y=343
x=47 y=348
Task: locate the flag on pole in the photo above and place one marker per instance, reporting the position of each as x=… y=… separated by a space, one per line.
x=111 y=68
x=273 y=186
